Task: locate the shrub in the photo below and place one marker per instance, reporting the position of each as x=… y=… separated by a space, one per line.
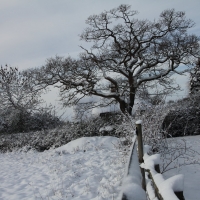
x=184 y=118
x=46 y=139
x=16 y=121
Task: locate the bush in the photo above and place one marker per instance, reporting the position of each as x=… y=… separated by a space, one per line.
x=184 y=119
x=16 y=121
x=46 y=139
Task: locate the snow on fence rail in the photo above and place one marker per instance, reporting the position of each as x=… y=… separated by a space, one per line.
x=134 y=184
x=157 y=186
x=131 y=186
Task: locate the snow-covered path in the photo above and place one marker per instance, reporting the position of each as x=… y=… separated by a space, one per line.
x=87 y=168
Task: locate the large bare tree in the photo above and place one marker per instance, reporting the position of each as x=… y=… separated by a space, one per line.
x=125 y=54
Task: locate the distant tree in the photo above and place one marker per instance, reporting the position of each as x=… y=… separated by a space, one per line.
x=43 y=119
x=17 y=90
x=195 y=79
x=19 y=97
x=126 y=53
x=82 y=112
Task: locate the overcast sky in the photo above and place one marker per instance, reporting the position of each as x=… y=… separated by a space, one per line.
x=34 y=30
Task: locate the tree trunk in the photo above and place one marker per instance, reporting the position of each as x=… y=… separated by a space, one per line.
x=131 y=104
x=131 y=99
x=123 y=106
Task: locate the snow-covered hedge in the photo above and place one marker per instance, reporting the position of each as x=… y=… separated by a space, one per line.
x=16 y=121
x=46 y=139
x=183 y=118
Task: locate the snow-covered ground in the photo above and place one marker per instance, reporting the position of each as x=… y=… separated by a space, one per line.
x=191 y=172
x=84 y=169
x=87 y=168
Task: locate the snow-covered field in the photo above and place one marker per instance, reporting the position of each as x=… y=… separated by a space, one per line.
x=191 y=172
x=87 y=168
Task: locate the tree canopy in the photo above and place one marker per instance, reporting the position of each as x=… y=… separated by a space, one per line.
x=126 y=53
x=195 y=79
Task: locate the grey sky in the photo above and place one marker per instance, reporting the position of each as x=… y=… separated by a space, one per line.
x=34 y=30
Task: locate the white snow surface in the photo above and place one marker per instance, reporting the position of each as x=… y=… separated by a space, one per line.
x=106 y=128
x=150 y=191
x=191 y=173
x=170 y=185
x=138 y=122
x=132 y=182
x=185 y=178
x=87 y=168
x=151 y=161
x=166 y=187
x=84 y=169
x=131 y=186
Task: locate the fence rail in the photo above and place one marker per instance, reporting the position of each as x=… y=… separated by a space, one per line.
x=128 y=170
x=132 y=187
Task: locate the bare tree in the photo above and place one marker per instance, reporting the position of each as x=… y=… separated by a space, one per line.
x=19 y=96
x=18 y=90
x=126 y=53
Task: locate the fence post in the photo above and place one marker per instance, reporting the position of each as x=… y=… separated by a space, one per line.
x=140 y=151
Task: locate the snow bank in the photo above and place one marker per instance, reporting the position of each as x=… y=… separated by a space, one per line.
x=88 y=168
x=172 y=184
x=106 y=128
x=88 y=143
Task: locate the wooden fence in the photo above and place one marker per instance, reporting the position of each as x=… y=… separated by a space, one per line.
x=154 y=181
